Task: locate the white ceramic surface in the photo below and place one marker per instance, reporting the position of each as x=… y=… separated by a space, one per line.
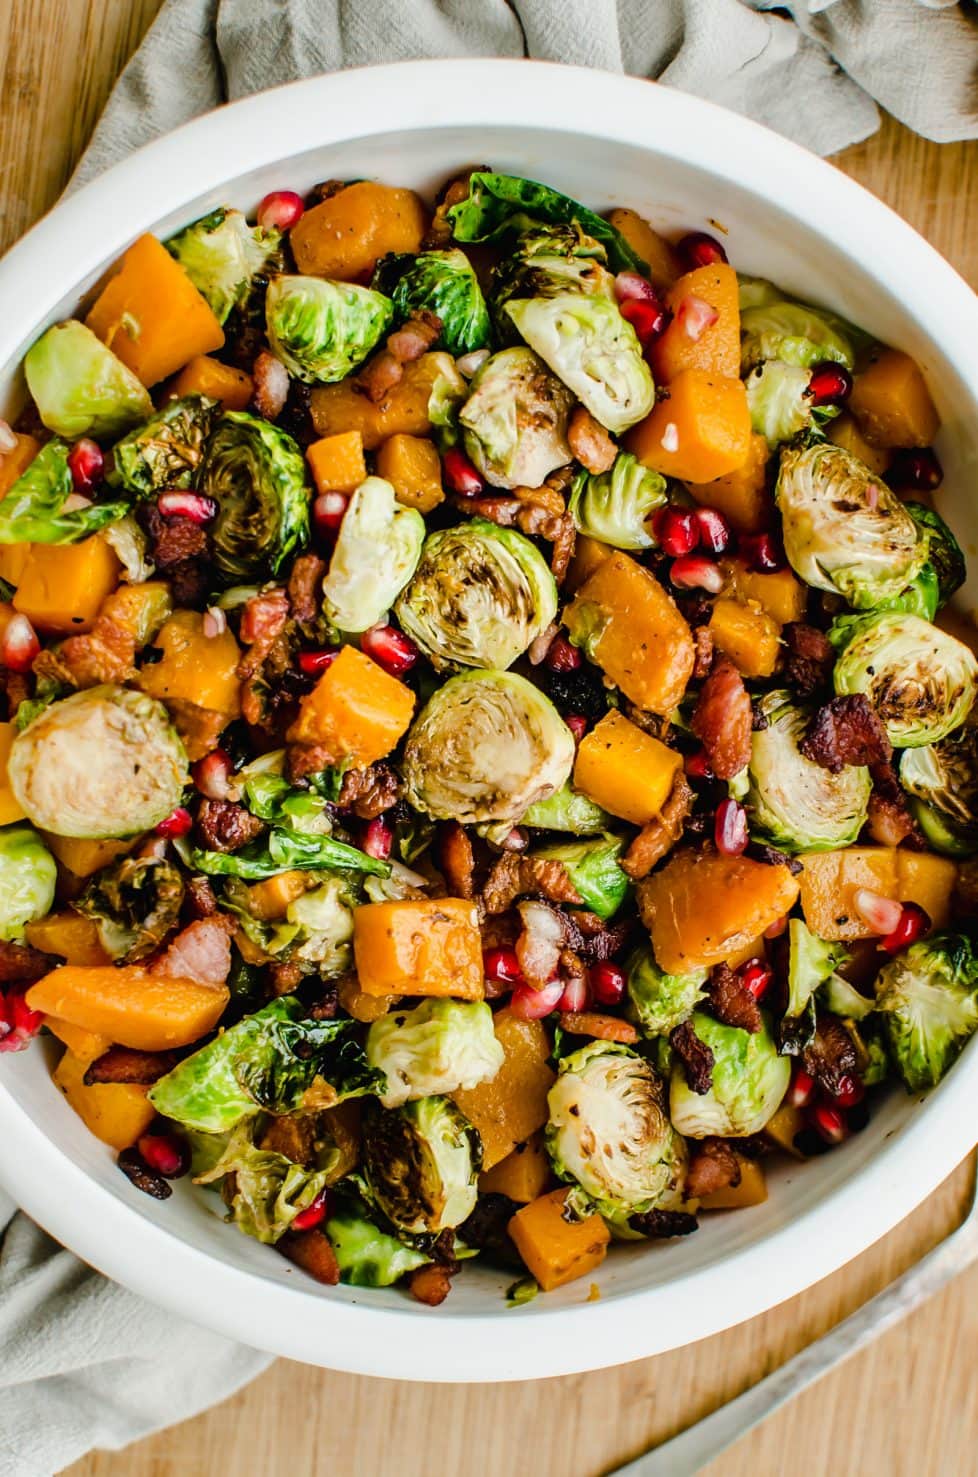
x=790 y=217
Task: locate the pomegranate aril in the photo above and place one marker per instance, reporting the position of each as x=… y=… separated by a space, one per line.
x=714 y=530
x=517 y=840
x=313 y=1215
x=695 y=315
x=313 y=663
x=647 y=318
x=165 y=1154
x=327 y=512
x=697 y=249
x=777 y=928
x=502 y=967
x=562 y=656
x=576 y=995
x=697 y=766
x=212 y=775
x=531 y=1005
x=761 y=552
x=756 y=977
x=460 y=474
x=28 y=1022
x=696 y=572
x=730 y=828
x=86 y=464
x=676 y=531
x=830 y=384
x=913 y=924
x=607 y=983
x=577 y=724
x=848 y=1092
x=883 y=915
x=192 y=505
x=177 y=823
x=378 y=838
x=828 y=1122
x=801 y=1089
x=390 y=649
x=915 y=469
x=19 y=644
x=633 y=287
x=280 y=210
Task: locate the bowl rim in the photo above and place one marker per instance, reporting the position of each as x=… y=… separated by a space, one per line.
x=341 y=1334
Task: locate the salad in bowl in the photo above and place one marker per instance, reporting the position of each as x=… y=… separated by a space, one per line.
x=486 y=762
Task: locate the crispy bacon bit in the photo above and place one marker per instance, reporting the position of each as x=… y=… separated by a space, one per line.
x=731 y=1002
x=599 y=941
x=589 y=441
x=564 y=543
x=602 y=1027
x=544 y=934
x=500 y=509
x=189 y=582
x=226 y=826
x=21 y=965
x=696 y=1057
x=808 y=658
x=722 y=720
x=103 y=654
x=286 y=976
x=138 y=1173
x=514 y=876
x=305 y=759
x=125 y=1064
x=271 y=381
x=431 y=1284
x=262 y=622
x=201 y=902
x=847 y=730
x=456 y=859
x=659 y=836
x=313 y=1252
x=199 y=728
x=416 y=336
x=703 y=648
x=890 y=822
x=200 y=952
x=326 y=1008
x=713 y=1166
x=832 y=1054
x=659 y=1225
x=367 y=792
x=380 y=375
x=304 y=587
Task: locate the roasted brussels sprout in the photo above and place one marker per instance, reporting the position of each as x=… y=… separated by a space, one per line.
x=33 y=511
x=843 y=999
x=614 y=506
x=134 y=904
x=484 y=748
x=103 y=762
x=316 y=932
x=445 y=283
x=593 y=349
x=659 y=1002
x=322 y=330
x=544 y=263
x=222 y=254
x=928 y=999
x=514 y=422
x=479 y=596
x=793 y=333
x=266 y=1190
x=79 y=386
x=283 y=850
x=811 y=962
x=28 y=873
x=367 y=1256
x=749 y=1081
x=609 y=1131
x=921 y=597
x=593 y=869
x=567 y=810
x=793 y=803
x=942 y=781
x=421 y=1163
x=166 y=451
x=131 y=547
x=438 y=1047
x=943 y=551
x=257 y=477
x=376 y=552
x=844 y=530
x=776 y=397
x=920 y=680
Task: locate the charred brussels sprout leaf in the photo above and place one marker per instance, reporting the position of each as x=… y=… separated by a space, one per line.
x=843 y=999
x=368 y=1256
x=322 y=330
x=613 y=506
x=257 y=477
x=222 y=254
x=928 y=999
x=659 y=1002
x=593 y=870
x=165 y=452
x=282 y=850
x=942 y=781
x=478 y=598
x=514 y=422
x=444 y=283
x=268 y=1190
x=420 y=1164
x=28 y=874
x=439 y=1047
x=795 y=334
x=79 y=386
x=943 y=551
x=749 y=1081
x=567 y=810
x=134 y=905
x=33 y=511
x=376 y=552
x=777 y=399
x=545 y=263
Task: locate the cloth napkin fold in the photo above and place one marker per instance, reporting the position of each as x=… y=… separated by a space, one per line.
x=84 y=1363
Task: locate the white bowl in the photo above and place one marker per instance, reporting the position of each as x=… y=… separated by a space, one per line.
x=681 y=162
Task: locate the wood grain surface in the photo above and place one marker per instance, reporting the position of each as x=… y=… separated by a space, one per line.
x=907 y=1407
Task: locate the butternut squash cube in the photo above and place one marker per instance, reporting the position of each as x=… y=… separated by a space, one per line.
x=558 y=1251
x=140 y=609
x=9 y=807
x=715 y=349
x=361 y=1006
x=133 y=1007
x=701 y=432
x=742 y=495
x=748 y=636
x=85 y=1045
x=404 y=410
x=346 y=235
x=522 y=1176
x=891 y=402
x=63 y=585
x=13 y=464
x=356 y=709
x=781 y=594
x=412 y=466
x=646 y=242
x=81 y=857
x=117 y=1113
x=71 y=936
x=830 y=880
x=844 y=431
x=588 y=554
x=513 y=1105
x=419 y=947
x=195 y=668
x=151 y=315
x=207 y=376
x=786 y=1123
x=625 y=770
x=270 y=899
x=336 y=462
x=751 y=1190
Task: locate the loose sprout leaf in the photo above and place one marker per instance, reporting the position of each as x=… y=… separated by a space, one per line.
x=777 y=400
x=843 y=999
x=928 y=999
x=514 y=421
x=165 y=452
x=28 y=874
x=943 y=551
x=283 y=850
x=518 y=1294
x=444 y=283
x=421 y=1162
x=750 y=1080
x=375 y=554
x=593 y=870
x=268 y=1189
x=614 y=506
x=658 y=1002
x=134 y=904
x=921 y=597
x=80 y=387
x=438 y=1047
x=794 y=333
x=567 y=810
x=32 y=512
x=368 y=1256
x=257 y=476
x=811 y=961
x=544 y=263
x=222 y=254
x=323 y=330
x=942 y=781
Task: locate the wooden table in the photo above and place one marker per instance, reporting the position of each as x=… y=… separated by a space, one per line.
x=907 y=1406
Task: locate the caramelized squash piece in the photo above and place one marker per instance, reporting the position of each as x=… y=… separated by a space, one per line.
x=742 y=495
x=62 y=586
x=116 y=1113
x=702 y=431
x=625 y=770
x=781 y=594
x=751 y=1190
x=429 y=946
x=150 y=1012
x=356 y=709
x=830 y=880
x=13 y=464
x=195 y=668
x=747 y=635
x=844 y=431
x=347 y=234
x=891 y=402
x=646 y=242
x=336 y=462
x=270 y=899
x=69 y=935
x=522 y=1176
x=207 y=376
x=513 y=1105
x=404 y=410
x=87 y=1046
x=412 y=466
x=83 y=858
x=715 y=349
x=558 y=1251
x=10 y=809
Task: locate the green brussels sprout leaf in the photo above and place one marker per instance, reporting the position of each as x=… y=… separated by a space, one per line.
x=33 y=511
x=257 y=476
x=928 y=999
x=942 y=781
x=79 y=386
x=567 y=810
x=322 y=330
x=749 y=1081
x=269 y=1190
x=659 y=1002
x=283 y=850
x=28 y=874
x=420 y=1163
x=443 y=283
x=614 y=506
x=222 y=254
x=368 y=1256
x=794 y=333
x=134 y=904
x=436 y=1048
x=592 y=869
x=165 y=452
x=921 y=680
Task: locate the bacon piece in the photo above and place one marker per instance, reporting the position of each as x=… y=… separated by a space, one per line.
x=139 y=1174
x=456 y=859
x=703 y=649
x=21 y=965
x=808 y=658
x=271 y=381
x=590 y=442
x=103 y=654
x=514 y=876
x=713 y=1166
x=599 y=940
x=659 y=1225
x=696 y=1057
x=313 y=1252
x=125 y=1064
x=286 y=976
x=602 y=1027
x=544 y=934
x=416 y=336
x=846 y=730
x=722 y=720
x=200 y=952
x=657 y=837
x=832 y=1054
x=174 y=539
x=431 y=1284
x=304 y=759
x=262 y=621
x=201 y=902
x=304 y=587
x=731 y=1002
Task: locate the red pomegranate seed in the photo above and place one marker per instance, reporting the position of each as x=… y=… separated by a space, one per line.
x=830 y=384
x=22 y=1018
x=730 y=828
x=390 y=649
x=577 y=724
x=86 y=464
x=633 y=287
x=849 y=1091
x=883 y=915
x=761 y=552
x=562 y=656
x=777 y=928
x=576 y=995
x=215 y=622
x=212 y=775
x=801 y=1089
x=914 y=922
x=313 y=1215
x=647 y=318
x=378 y=838
x=700 y=250
x=502 y=967
x=714 y=530
x=192 y=505
x=676 y=531
x=697 y=767
x=460 y=474
x=165 y=1154
x=757 y=977
x=314 y=663
x=828 y=1122
x=607 y=982
x=696 y=572
x=531 y=1005
x=695 y=315
x=915 y=469
x=280 y=210
x=327 y=512
x=18 y=644
x=517 y=840
x=177 y=823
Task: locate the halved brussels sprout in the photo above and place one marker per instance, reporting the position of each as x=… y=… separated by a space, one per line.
x=794 y=333
x=609 y=1131
x=266 y=1190
x=843 y=999
x=79 y=386
x=793 y=803
x=593 y=869
x=438 y=1047
x=942 y=782
x=659 y=1002
x=376 y=552
x=593 y=349
x=777 y=400
x=166 y=451
x=749 y=1081
x=131 y=547
x=485 y=747
x=33 y=511
x=421 y=1163
x=443 y=282
x=221 y=254
x=545 y=262
x=567 y=810
x=104 y=762
x=514 y=422
x=928 y=999
x=257 y=476
x=943 y=551
x=614 y=506
x=921 y=597
x=479 y=597
x=366 y=1255
x=921 y=681
x=322 y=330
x=844 y=530
x=811 y=962
x=28 y=873
x=134 y=904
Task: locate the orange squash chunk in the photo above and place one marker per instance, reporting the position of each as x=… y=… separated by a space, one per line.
x=588 y=554
x=71 y=936
x=206 y=376
x=513 y=1105
x=741 y=495
x=336 y=462
x=702 y=906
x=654 y=249
x=717 y=348
x=830 y=880
x=404 y=410
x=194 y=668
x=891 y=402
x=522 y=1176
x=63 y=585
x=117 y=1112
x=84 y=1045
x=13 y=464
x=9 y=807
x=428 y=946
x=702 y=431
x=151 y=315
x=750 y=1190
x=844 y=431
x=356 y=709
x=412 y=466
x=150 y=1012
x=625 y=770
x=645 y=646
x=748 y=636
x=82 y=857
x=346 y=235
x=781 y=594
x=558 y=1251
x=269 y=900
